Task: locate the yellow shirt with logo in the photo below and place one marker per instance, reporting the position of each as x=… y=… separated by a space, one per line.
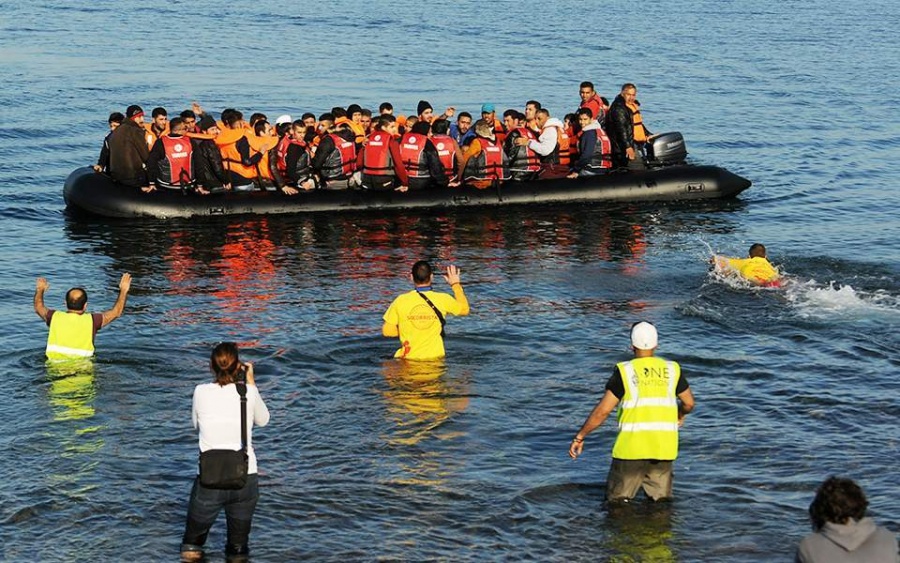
x=419 y=326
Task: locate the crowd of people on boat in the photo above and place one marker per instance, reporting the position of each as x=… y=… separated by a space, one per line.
x=354 y=148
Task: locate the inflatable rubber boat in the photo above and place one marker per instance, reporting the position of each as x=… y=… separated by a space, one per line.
x=667 y=179
x=97 y=194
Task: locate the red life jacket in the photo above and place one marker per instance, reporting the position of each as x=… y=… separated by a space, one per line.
x=524 y=159
x=602 y=150
x=342 y=161
x=488 y=165
x=282 y=151
x=377 y=159
x=446 y=152
x=178 y=154
x=412 y=154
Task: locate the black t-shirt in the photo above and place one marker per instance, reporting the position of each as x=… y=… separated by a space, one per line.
x=616 y=386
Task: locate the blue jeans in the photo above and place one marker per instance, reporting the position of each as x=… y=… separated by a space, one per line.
x=205 y=506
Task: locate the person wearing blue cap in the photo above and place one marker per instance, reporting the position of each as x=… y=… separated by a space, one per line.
x=489 y=114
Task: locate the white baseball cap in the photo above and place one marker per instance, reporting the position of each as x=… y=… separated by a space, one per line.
x=283 y=119
x=643 y=336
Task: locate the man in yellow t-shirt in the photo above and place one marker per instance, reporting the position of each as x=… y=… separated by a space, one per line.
x=755 y=269
x=418 y=316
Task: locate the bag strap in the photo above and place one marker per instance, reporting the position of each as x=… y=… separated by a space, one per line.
x=242 y=391
x=436 y=312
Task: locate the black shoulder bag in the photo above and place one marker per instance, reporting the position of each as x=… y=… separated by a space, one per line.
x=436 y=312
x=227 y=469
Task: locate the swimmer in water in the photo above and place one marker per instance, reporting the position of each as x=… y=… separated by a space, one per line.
x=756 y=269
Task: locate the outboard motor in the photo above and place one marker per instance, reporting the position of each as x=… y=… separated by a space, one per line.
x=666 y=149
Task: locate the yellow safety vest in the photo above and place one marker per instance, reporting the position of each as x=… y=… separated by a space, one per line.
x=648 y=413
x=71 y=336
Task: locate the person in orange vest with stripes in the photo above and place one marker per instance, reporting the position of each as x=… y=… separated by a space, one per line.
x=626 y=129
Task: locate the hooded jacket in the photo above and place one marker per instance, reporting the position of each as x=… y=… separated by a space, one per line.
x=853 y=542
x=128 y=152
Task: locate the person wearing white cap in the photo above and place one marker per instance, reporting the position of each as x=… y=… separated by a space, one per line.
x=283 y=119
x=653 y=399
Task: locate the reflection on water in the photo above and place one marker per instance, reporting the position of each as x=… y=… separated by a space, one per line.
x=640 y=532
x=420 y=400
x=71 y=395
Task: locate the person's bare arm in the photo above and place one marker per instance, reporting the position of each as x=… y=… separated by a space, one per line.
x=452 y=277
x=597 y=417
x=40 y=287
x=685 y=405
x=117 y=309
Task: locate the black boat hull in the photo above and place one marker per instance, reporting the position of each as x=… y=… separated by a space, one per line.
x=97 y=194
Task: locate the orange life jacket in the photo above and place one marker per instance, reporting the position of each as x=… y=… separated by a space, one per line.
x=178 y=154
x=227 y=140
x=640 y=133
x=412 y=153
x=263 y=145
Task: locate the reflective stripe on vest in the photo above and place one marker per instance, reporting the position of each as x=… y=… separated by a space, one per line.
x=412 y=148
x=488 y=164
x=524 y=159
x=648 y=412
x=71 y=336
x=443 y=144
x=342 y=160
x=377 y=159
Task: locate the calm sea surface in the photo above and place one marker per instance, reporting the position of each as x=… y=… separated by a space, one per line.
x=365 y=459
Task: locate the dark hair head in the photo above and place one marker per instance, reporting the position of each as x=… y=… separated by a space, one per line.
x=224 y=363
x=421 y=272
x=231 y=116
x=585 y=111
x=159 y=111
x=757 y=251
x=535 y=103
x=282 y=128
x=257 y=117
x=175 y=123
x=837 y=500
x=187 y=114
x=327 y=117
x=353 y=108
x=385 y=106
x=421 y=127
x=260 y=127
x=586 y=84
x=511 y=113
x=440 y=126
x=463 y=114
x=383 y=121
x=628 y=86
x=115 y=117
x=338 y=111
x=133 y=110
x=543 y=112
x=366 y=112
x=76 y=299
x=307 y=115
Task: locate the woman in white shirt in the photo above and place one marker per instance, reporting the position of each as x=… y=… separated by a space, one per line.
x=216 y=414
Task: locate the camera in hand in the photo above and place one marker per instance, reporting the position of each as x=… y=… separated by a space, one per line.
x=241 y=375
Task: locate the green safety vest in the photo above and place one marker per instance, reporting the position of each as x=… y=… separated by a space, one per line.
x=648 y=413
x=71 y=336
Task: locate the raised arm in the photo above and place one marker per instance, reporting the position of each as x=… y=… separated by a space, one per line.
x=40 y=287
x=452 y=277
x=119 y=307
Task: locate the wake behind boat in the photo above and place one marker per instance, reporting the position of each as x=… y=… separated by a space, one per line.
x=97 y=194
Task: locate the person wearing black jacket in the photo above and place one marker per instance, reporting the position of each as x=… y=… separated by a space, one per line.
x=128 y=150
x=620 y=125
x=330 y=166
x=209 y=172
x=115 y=119
x=436 y=174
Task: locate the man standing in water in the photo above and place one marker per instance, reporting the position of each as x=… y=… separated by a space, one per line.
x=417 y=317
x=72 y=332
x=654 y=401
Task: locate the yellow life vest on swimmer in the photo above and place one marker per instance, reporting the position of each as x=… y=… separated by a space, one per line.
x=71 y=336
x=648 y=412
